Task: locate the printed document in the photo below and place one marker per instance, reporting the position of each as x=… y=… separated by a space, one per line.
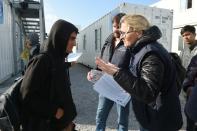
x=110 y=89
x=73 y=57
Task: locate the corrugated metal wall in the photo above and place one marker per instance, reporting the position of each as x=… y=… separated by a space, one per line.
x=6 y=48
x=160 y=17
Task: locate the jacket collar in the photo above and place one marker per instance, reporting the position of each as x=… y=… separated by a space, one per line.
x=151 y=35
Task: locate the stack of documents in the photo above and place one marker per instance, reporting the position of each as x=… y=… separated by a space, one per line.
x=73 y=57
x=110 y=89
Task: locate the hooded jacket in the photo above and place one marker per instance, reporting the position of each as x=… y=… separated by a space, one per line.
x=150 y=81
x=46 y=85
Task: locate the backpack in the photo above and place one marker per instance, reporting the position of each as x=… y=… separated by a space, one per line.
x=180 y=70
x=10 y=103
x=10 y=107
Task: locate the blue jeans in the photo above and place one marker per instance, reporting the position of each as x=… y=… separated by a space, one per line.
x=104 y=107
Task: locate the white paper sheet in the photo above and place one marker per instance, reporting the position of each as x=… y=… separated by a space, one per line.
x=109 y=88
x=73 y=57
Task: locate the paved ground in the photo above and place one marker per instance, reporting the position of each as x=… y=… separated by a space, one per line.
x=86 y=100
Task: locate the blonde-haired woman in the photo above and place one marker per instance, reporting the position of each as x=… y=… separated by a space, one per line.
x=150 y=79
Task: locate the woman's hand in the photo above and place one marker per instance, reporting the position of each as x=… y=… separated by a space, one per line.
x=89 y=76
x=106 y=67
x=70 y=127
x=59 y=113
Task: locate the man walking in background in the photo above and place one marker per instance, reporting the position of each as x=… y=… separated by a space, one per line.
x=188 y=33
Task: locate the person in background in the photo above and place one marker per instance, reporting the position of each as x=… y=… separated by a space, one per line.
x=31 y=48
x=46 y=98
x=32 y=43
x=188 y=33
x=150 y=79
x=113 y=51
x=25 y=54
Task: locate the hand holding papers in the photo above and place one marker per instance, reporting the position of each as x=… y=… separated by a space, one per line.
x=74 y=57
x=94 y=75
x=106 y=66
x=109 y=88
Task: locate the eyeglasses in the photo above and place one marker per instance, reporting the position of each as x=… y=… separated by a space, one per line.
x=123 y=34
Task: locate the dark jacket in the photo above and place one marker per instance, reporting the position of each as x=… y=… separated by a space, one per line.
x=151 y=83
x=190 y=81
x=34 y=51
x=191 y=74
x=46 y=85
x=108 y=48
x=119 y=55
x=191 y=106
x=34 y=42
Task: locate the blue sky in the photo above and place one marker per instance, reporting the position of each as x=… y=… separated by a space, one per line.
x=82 y=12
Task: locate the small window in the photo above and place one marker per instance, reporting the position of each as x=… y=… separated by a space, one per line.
x=84 y=42
x=98 y=39
x=185 y=4
x=189 y=4
x=1 y=12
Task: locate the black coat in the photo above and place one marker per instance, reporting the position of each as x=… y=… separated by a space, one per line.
x=46 y=85
x=151 y=84
x=191 y=74
x=119 y=55
x=108 y=48
x=190 y=81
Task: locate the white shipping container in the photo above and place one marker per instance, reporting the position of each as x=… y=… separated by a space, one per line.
x=92 y=38
x=6 y=47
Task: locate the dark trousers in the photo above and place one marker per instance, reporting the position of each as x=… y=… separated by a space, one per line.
x=190 y=124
